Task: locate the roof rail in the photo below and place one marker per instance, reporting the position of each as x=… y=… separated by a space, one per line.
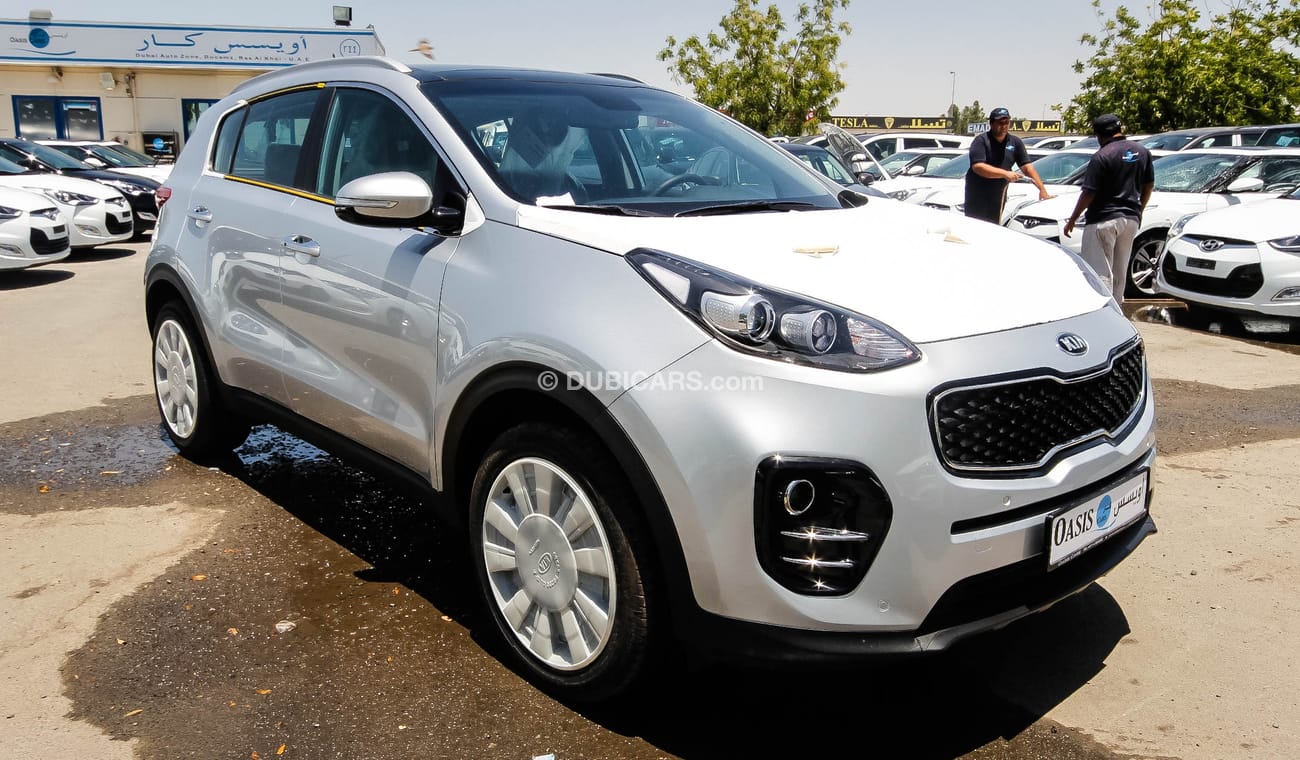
x=373 y=61
x=615 y=76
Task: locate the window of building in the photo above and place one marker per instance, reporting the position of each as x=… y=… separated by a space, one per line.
x=51 y=118
x=191 y=110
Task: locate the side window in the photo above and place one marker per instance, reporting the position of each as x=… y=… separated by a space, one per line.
x=227 y=137
x=366 y=133
x=271 y=135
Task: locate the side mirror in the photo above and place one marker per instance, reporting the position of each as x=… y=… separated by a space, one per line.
x=391 y=199
x=1244 y=185
x=914 y=170
x=865 y=178
x=98 y=163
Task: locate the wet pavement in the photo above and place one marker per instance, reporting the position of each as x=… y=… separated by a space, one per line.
x=331 y=616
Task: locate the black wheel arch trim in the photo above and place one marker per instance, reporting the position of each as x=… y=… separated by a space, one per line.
x=523 y=377
x=163 y=273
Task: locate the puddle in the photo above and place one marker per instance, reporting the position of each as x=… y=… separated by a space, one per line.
x=88 y=456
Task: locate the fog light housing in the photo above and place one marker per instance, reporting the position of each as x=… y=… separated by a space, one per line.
x=818 y=523
x=1288 y=294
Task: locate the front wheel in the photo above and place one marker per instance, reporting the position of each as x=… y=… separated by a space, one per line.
x=560 y=565
x=1142 y=265
x=184 y=387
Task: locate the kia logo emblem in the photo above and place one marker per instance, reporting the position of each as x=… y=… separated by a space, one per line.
x=1072 y=344
x=1211 y=245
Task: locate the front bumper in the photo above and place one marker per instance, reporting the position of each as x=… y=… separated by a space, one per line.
x=704 y=443
x=1240 y=277
x=98 y=224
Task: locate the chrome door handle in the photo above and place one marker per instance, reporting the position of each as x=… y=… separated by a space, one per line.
x=301 y=244
x=200 y=214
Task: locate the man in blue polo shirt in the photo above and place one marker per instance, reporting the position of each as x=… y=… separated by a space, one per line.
x=1116 y=187
x=992 y=154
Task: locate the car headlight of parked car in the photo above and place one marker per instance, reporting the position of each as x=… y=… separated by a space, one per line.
x=771 y=323
x=122 y=186
x=9 y=213
x=1287 y=244
x=69 y=199
x=1177 y=229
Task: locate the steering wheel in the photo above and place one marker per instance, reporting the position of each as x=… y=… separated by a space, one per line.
x=681 y=179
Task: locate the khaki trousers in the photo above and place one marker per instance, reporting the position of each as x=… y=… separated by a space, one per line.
x=1107 y=247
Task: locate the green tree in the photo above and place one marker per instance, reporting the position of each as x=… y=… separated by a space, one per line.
x=1180 y=71
x=961 y=117
x=748 y=71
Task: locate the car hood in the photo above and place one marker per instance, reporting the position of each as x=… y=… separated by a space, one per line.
x=917 y=182
x=23 y=200
x=930 y=275
x=58 y=182
x=158 y=174
x=1265 y=220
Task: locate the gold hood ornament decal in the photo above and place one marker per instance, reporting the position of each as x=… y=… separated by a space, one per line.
x=818 y=253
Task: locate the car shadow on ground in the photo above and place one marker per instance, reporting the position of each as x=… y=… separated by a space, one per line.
x=32 y=278
x=101 y=253
x=988 y=688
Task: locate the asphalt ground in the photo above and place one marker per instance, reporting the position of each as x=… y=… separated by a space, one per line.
x=283 y=603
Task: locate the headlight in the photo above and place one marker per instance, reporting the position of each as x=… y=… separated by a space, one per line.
x=771 y=323
x=1177 y=229
x=1287 y=244
x=9 y=213
x=50 y=213
x=902 y=195
x=130 y=188
x=67 y=198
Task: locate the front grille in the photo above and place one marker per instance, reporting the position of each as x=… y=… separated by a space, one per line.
x=1242 y=282
x=1196 y=240
x=1023 y=424
x=44 y=246
x=116 y=227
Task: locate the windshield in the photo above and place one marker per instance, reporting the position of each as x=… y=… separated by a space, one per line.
x=47 y=155
x=1182 y=173
x=9 y=167
x=1058 y=167
x=617 y=146
x=895 y=163
x=955 y=168
x=1170 y=141
x=134 y=157
x=110 y=156
x=824 y=163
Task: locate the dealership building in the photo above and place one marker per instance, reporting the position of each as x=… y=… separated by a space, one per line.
x=142 y=84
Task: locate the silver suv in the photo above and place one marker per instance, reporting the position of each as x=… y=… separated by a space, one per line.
x=675 y=385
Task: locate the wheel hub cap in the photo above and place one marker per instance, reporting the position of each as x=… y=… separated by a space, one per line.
x=548 y=568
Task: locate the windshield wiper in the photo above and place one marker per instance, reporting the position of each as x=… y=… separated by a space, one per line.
x=609 y=210
x=746 y=207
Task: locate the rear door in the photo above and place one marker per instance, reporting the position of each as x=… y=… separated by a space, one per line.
x=237 y=212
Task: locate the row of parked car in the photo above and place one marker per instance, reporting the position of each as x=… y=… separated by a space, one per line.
x=56 y=196
x=1221 y=230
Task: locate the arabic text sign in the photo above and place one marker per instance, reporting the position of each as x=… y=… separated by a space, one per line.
x=72 y=43
x=929 y=123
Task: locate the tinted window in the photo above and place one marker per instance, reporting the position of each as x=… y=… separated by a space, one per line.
x=271 y=136
x=1287 y=137
x=366 y=133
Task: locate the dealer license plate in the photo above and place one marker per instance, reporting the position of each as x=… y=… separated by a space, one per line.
x=1083 y=526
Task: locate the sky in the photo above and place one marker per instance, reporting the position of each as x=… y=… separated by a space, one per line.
x=902 y=58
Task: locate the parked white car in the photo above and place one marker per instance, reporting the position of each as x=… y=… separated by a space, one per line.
x=1060 y=171
x=884 y=144
x=915 y=161
x=94 y=213
x=736 y=405
x=1187 y=182
x=1053 y=142
x=110 y=156
x=1244 y=259
x=31 y=231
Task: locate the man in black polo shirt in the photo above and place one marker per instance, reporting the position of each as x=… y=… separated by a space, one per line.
x=992 y=154
x=1116 y=187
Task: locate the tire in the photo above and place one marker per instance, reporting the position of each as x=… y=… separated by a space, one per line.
x=190 y=409
x=574 y=613
x=1142 y=265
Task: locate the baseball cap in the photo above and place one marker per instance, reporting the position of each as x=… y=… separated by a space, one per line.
x=1106 y=125
x=999 y=113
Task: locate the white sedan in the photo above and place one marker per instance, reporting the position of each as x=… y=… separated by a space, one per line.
x=1187 y=182
x=111 y=156
x=31 y=232
x=95 y=214
x=1060 y=171
x=1244 y=259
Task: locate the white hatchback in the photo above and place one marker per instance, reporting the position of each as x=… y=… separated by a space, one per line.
x=95 y=214
x=31 y=232
x=673 y=383
x=1244 y=259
